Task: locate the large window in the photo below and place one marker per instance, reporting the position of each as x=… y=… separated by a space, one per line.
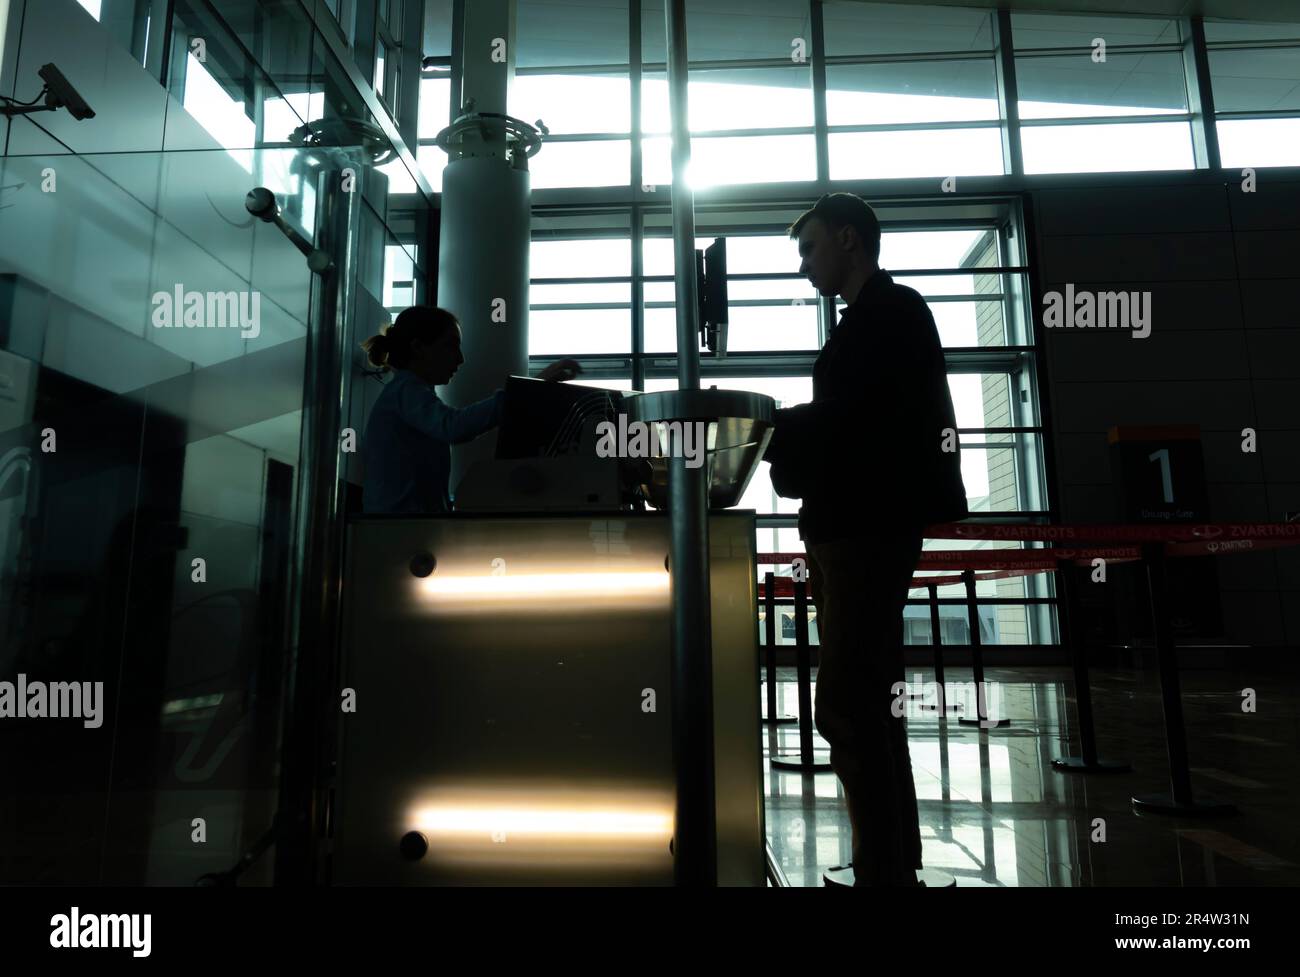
x=910 y=91
x=388 y=61
x=750 y=95
x=906 y=91
x=580 y=297
x=1101 y=93
x=597 y=295
x=887 y=91
x=1255 y=72
x=571 y=73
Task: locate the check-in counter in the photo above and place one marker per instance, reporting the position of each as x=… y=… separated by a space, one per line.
x=511 y=678
x=512 y=674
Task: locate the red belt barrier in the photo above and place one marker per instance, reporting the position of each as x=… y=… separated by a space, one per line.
x=1210 y=546
x=1022 y=559
x=1181 y=540
x=1179 y=532
x=1204 y=539
x=785 y=585
x=991 y=559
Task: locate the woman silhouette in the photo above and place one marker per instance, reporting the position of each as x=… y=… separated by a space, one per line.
x=408 y=438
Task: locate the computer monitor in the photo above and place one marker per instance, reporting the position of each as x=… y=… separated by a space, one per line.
x=711 y=290
x=542 y=419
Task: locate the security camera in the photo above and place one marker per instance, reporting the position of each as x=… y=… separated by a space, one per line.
x=61 y=94
x=58 y=92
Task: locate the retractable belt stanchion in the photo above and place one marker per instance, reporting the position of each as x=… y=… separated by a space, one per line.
x=913 y=695
x=981 y=717
x=1072 y=635
x=936 y=638
x=929 y=877
x=773 y=718
x=1179 y=800
x=807 y=761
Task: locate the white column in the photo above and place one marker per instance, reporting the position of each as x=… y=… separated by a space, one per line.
x=483 y=249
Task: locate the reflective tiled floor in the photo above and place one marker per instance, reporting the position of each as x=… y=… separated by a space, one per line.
x=995 y=813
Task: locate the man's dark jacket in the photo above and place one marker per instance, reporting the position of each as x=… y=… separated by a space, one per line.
x=867 y=454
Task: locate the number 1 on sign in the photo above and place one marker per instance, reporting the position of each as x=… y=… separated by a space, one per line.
x=1165 y=480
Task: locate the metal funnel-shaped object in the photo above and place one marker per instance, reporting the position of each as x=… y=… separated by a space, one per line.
x=735 y=426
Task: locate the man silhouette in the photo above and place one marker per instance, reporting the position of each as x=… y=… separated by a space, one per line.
x=874 y=459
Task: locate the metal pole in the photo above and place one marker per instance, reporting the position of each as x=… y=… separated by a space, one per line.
x=1180 y=778
x=807 y=762
x=773 y=717
x=936 y=638
x=981 y=717
x=1179 y=801
x=683 y=201
x=1072 y=635
x=695 y=838
x=769 y=629
x=826 y=321
x=316 y=569
x=1082 y=685
x=805 y=674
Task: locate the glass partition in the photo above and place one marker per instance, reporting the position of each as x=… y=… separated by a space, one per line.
x=153 y=336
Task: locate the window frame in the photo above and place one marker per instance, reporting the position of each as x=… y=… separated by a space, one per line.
x=639 y=199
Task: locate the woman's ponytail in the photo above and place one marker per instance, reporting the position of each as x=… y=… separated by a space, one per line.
x=378 y=347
